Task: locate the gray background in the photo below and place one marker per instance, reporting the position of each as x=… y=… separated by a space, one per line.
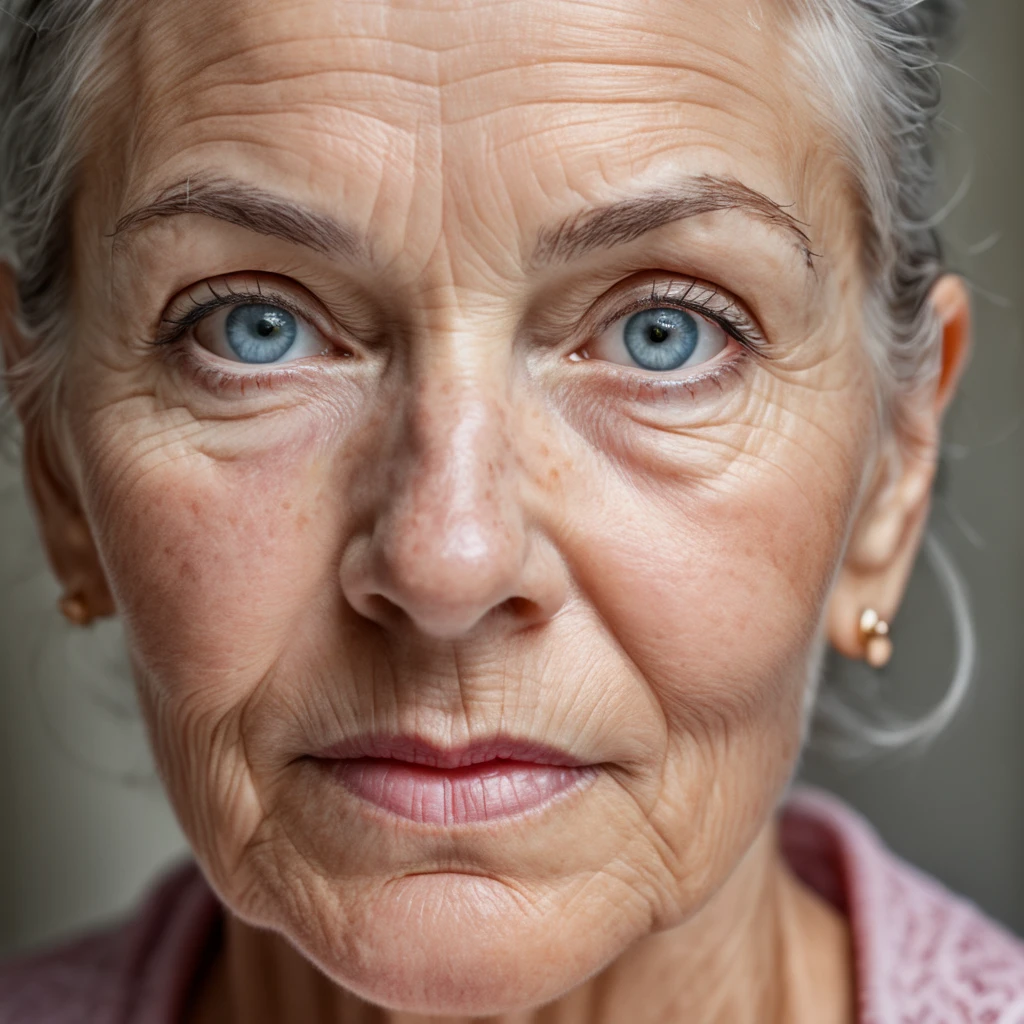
x=83 y=827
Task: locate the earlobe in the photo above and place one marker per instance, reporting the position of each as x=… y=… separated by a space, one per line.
x=62 y=525
x=65 y=533
x=884 y=544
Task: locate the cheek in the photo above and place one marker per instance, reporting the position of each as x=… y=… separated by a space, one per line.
x=214 y=561
x=712 y=554
x=713 y=583
x=214 y=564
x=720 y=593
x=716 y=590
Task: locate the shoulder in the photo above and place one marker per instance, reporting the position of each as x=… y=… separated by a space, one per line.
x=112 y=975
x=922 y=953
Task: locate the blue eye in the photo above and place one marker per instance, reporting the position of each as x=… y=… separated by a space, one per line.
x=260 y=333
x=661 y=339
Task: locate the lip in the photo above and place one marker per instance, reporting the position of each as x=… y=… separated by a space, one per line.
x=479 y=782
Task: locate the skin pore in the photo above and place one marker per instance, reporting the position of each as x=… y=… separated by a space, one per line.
x=459 y=509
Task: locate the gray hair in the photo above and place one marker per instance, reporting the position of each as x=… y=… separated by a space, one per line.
x=873 y=74
x=49 y=53
x=875 y=79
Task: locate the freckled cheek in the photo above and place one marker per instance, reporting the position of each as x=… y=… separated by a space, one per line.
x=716 y=590
x=214 y=563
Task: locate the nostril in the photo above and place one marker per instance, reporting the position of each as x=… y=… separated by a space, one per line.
x=382 y=610
x=438 y=618
x=521 y=609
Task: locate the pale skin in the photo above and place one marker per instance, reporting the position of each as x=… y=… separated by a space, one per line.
x=464 y=509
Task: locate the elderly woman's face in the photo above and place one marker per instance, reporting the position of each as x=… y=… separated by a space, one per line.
x=468 y=382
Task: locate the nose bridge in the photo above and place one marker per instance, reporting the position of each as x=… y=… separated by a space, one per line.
x=460 y=476
x=450 y=541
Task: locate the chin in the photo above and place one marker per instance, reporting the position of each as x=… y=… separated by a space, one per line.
x=463 y=945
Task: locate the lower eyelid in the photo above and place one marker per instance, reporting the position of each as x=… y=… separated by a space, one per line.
x=651 y=400
x=733 y=351
x=222 y=377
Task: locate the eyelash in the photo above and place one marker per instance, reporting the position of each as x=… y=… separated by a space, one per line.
x=178 y=327
x=730 y=317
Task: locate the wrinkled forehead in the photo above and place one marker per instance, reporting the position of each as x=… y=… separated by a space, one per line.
x=405 y=113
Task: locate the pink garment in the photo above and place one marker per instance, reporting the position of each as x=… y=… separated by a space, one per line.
x=923 y=955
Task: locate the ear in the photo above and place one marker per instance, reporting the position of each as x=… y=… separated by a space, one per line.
x=894 y=513
x=62 y=525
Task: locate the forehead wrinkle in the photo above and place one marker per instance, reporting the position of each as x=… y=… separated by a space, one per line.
x=618 y=126
x=709 y=58
x=389 y=75
x=244 y=125
x=732 y=70
x=435 y=79
x=602 y=80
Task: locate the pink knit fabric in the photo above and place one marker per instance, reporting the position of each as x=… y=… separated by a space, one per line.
x=923 y=955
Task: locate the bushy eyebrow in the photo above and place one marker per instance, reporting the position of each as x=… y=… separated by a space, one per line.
x=246 y=206
x=629 y=219
x=268 y=213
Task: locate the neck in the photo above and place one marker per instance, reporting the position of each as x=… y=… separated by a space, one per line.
x=765 y=950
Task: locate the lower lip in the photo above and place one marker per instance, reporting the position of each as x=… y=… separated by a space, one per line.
x=456 y=796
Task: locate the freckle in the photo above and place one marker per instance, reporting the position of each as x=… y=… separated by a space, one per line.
x=286 y=506
x=195 y=508
x=302 y=520
x=554 y=476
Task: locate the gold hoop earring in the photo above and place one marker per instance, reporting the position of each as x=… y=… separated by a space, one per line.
x=75 y=608
x=874 y=631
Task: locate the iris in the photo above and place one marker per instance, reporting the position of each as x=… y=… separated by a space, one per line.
x=661 y=339
x=260 y=334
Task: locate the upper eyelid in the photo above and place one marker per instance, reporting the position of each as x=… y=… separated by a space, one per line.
x=199 y=310
x=731 y=316
x=740 y=324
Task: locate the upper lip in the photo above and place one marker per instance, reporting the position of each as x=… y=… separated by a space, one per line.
x=415 y=750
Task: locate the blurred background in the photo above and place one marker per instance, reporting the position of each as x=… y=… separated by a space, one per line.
x=84 y=826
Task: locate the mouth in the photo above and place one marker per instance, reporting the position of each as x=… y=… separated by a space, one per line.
x=481 y=782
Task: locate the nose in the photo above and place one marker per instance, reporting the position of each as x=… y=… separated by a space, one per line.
x=451 y=544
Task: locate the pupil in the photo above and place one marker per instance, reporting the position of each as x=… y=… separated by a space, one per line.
x=265 y=328
x=658 y=333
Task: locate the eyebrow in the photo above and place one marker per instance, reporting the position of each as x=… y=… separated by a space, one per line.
x=630 y=219
x=246 y=206
x=267 y=213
